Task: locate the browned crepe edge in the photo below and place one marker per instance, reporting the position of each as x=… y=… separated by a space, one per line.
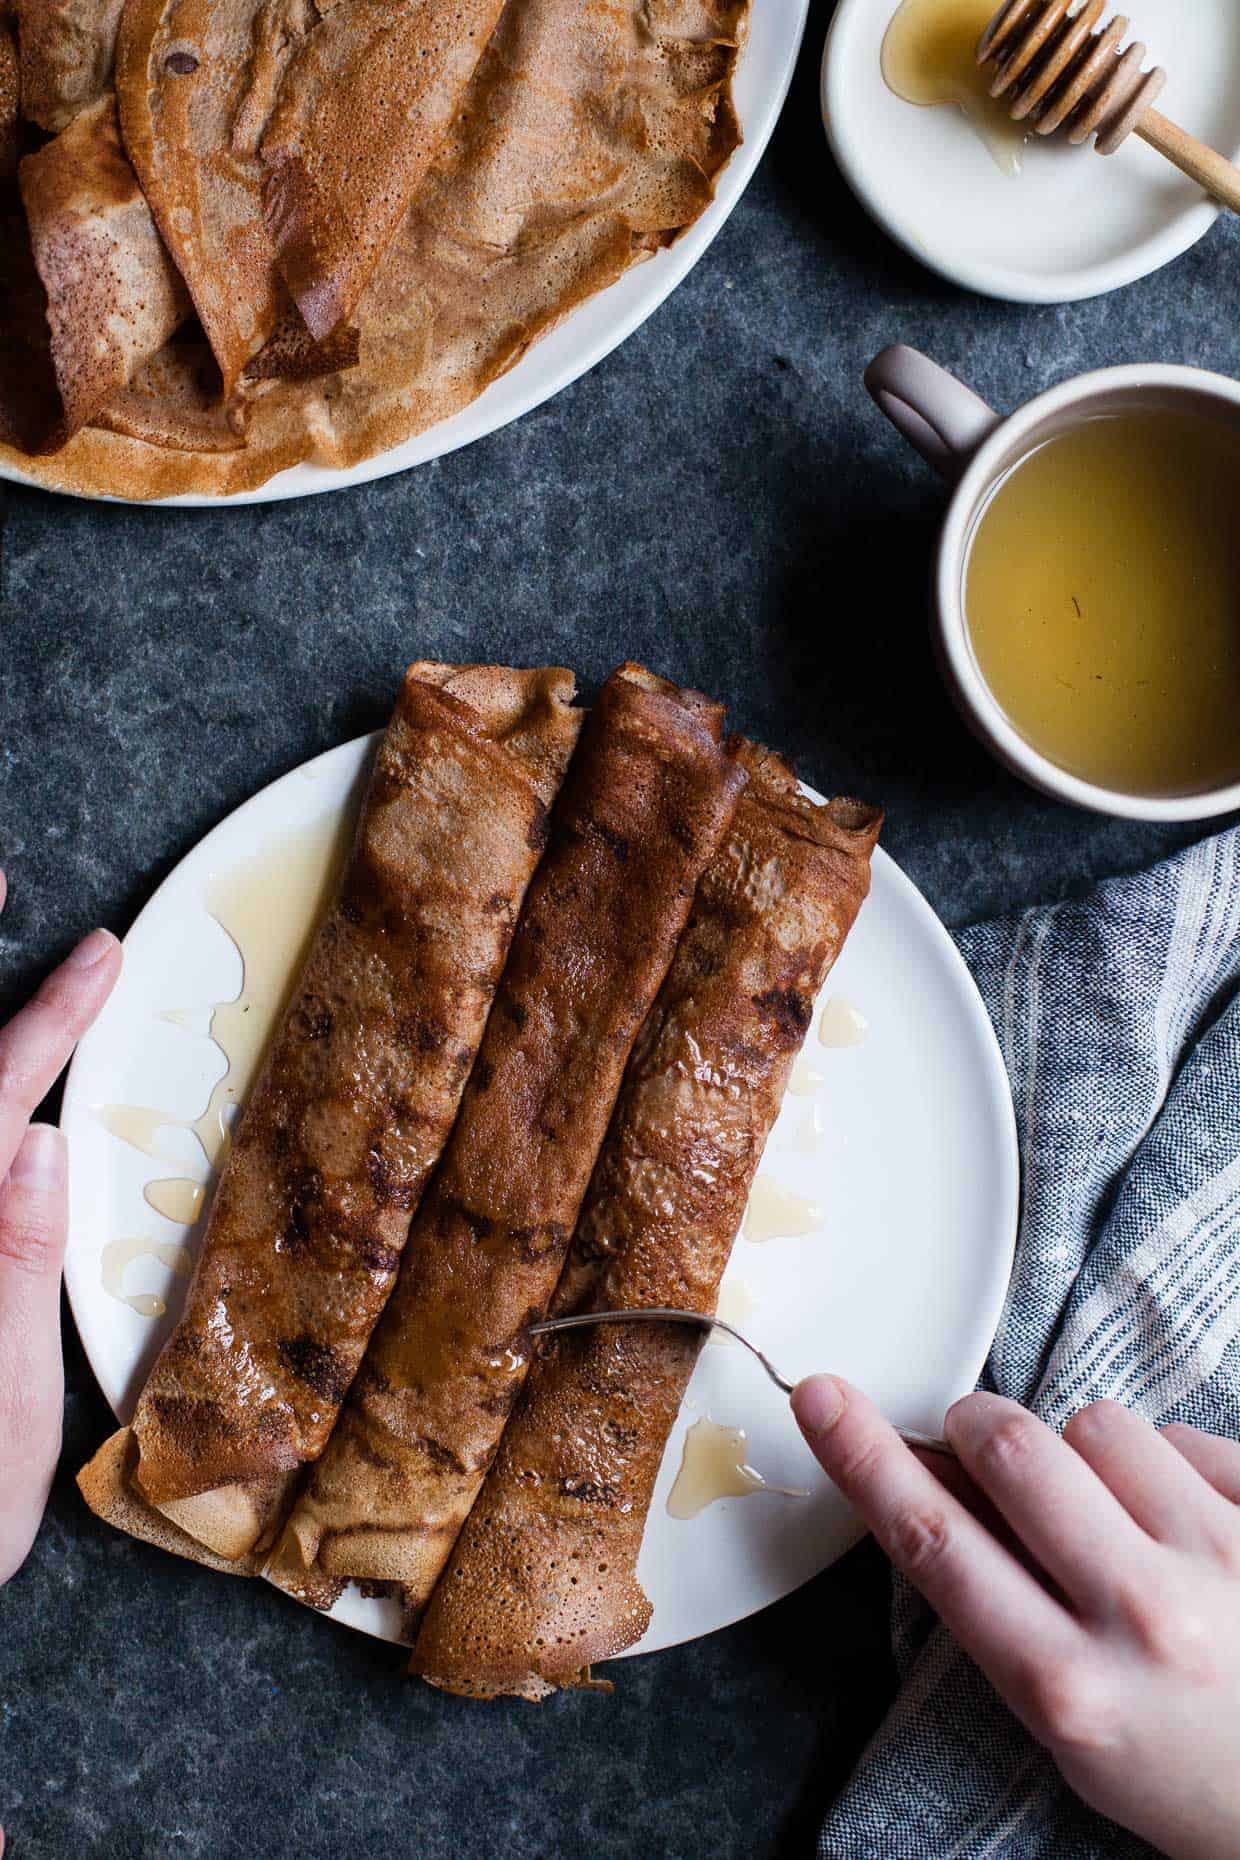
x=173 y=402
x=105 y=1484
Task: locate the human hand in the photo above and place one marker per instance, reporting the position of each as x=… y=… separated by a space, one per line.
x=1095 y=1579
x=34 y=1047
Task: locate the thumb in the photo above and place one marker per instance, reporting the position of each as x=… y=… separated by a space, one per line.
x=33 y=1224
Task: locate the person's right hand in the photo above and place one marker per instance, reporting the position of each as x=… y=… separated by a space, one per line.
x=34 y=1047
x=1095 y=1579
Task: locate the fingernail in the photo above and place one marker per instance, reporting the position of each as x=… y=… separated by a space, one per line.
x=817 y=1403
x=40 y=1161
x=91 y=949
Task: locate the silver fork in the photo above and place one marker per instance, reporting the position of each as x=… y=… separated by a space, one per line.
x=696 y=1320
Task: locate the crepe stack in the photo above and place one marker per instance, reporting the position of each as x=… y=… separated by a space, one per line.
x=245 y=233
x=541 y=1039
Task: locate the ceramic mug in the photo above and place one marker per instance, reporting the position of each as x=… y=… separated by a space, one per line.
x=974 y=447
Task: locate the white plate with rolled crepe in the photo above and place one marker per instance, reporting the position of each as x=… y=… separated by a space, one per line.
x=882 y=1225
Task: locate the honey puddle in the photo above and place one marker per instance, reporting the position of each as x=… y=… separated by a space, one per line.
x=930 y=57
x=713 y=1467
x=119 y=1255
x=805 y=1078
x=809 y=1138
x=270 y=908
x=775 y=1213
x=737 y=1301
x=841 y=1024
x=177 y=1198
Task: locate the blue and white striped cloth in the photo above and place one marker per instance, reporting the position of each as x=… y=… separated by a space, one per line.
x=1119 y=1018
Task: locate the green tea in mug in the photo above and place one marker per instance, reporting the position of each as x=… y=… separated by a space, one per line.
x=1102 y=597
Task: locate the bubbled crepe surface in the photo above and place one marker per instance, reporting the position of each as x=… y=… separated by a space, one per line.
x=543 y=1577
x=589 y=136
x=113 y=297
x=355 y=1099
x=645 y=803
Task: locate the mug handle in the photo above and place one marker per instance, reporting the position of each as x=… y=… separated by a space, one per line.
x=945 y=420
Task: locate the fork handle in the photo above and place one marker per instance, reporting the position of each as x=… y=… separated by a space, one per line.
x=1192 y=157
x=926 y=1443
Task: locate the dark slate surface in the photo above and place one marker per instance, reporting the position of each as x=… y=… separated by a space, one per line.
x=719 y=500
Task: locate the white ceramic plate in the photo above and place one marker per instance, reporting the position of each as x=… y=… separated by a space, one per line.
x=899 y=1286
x=763 y=74
x=1073 y=224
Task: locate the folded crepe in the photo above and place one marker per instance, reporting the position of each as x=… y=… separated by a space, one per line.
x=173 y=401
x=183 y=68
x=68 y=48
x=360 y=114
x=590 y=135
x=353 y=1105
x=542 y=1580
x=113 y=295
x=645 y=804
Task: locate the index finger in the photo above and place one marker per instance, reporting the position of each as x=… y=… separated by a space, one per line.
x=36 y=1044
x=1001 y=1615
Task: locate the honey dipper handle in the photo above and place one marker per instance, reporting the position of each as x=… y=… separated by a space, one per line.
x=1201 y=163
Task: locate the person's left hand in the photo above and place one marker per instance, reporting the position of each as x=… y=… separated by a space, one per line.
x=34 y=1047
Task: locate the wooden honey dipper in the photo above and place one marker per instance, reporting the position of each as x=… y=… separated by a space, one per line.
x=1060 y=69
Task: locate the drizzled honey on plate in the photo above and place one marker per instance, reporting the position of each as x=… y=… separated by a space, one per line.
x=1102 y=599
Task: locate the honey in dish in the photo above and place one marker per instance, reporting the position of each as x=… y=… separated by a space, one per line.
x=930 y=57
x=1102 y=593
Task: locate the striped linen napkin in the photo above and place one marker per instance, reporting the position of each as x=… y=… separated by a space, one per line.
x=1119 y=1019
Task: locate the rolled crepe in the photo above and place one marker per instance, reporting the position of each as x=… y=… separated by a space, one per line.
x=68 y=48
x=644 y=806
x=355 y=1100
x=360 y=115
x=114 y=296
x=543 y=1577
